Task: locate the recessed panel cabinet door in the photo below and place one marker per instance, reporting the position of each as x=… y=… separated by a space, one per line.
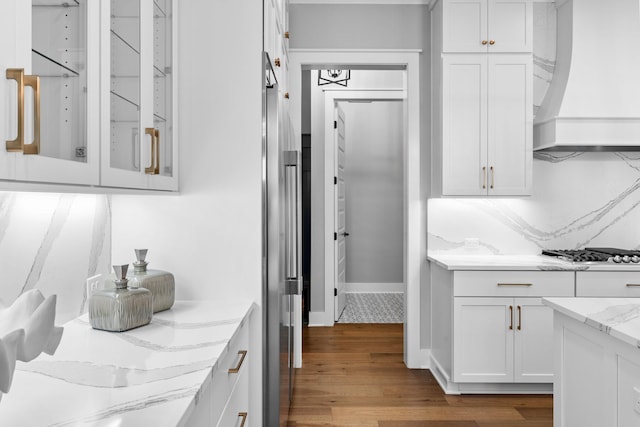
x=464 y=125
x=510 y=125
x=465 y=26
x=483 y=340
x=533 y=352
x=510 y=24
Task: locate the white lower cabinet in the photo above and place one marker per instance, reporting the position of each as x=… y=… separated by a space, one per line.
x=502 y=340
x=225 y=400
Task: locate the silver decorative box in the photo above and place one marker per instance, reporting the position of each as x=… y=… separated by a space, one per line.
x=160 y=283
x=121 y=308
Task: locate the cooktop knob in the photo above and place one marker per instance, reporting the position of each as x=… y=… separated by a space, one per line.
x=626 y=258
x=635 y=259
x=617 y=258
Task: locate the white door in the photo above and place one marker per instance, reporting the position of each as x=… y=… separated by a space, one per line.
x=510 y=25
x=483 y=340
x=465 y=26
x=533 y=351
x=340 y=195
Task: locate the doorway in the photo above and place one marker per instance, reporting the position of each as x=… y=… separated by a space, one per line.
x=413 y=234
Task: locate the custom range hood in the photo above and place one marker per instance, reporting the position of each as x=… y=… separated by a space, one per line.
x=593 y=102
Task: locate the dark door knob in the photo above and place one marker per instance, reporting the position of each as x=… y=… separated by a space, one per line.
x=345 y=234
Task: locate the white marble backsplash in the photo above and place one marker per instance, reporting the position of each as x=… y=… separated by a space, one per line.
x=53 y=242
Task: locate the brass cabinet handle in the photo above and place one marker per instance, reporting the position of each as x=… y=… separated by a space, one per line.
x=492 y=176
x=17 y=74
x=34 y=83
x=243 y=415
x=154 y=167
x=633 y=285
x=286 y=95
x=519 y=318
x=277 y=62
x=511 y=317
x=484 y=177
x=243 y=354
x=484 y=42
x=286 y=34
x=492 y=42
x=515 y=284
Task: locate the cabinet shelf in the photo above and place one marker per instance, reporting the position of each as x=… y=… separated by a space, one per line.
x=56 y=3
x=49 y=67
x=162 y=13
x=125 y=42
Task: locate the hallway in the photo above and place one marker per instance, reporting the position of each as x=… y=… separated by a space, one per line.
x=353 y=375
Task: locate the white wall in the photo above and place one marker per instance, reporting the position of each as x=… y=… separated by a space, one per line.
x=53 y=242
x=374 y=192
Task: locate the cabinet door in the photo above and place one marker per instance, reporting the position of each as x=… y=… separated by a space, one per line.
x=510 y=125
x=465 y=26
x=483 y=340
x=533 y=351
x=56 y=47
x=510 y=24
x=464 y=125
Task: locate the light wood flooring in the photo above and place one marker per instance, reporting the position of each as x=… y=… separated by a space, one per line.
x=353 y=375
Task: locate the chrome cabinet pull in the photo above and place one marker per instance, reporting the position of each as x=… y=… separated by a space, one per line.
x=515 y=284
x=243 y=354
x=17 y=74
x=492 y=176
x=34 y=83
x=484 y=177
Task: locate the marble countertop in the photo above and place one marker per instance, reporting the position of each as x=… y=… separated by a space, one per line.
x=618 y=317
x=125 y=379
x=461 y=261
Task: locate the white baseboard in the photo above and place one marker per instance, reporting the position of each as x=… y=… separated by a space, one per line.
x=375 y=288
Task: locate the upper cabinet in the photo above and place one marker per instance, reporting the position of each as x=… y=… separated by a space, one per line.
x=138 y=82
x=479 y=26
x=88 y=96
x=49 y=52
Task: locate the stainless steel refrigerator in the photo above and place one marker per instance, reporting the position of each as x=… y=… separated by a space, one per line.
x=281 y=253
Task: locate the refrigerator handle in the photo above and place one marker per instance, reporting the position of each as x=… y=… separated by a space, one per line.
x=293 y=255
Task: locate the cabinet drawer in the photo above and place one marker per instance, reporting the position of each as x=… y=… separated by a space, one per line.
x=608 y=284
x=236 y=413
x=513 y=283
x=223 y=380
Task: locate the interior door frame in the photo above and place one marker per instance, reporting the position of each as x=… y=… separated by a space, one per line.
x=414 y=207
x=331 y=99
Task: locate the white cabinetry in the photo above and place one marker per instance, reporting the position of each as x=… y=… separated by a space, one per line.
x=50 y=97
x=490 y=327
x=608 y=284
x=483 y=104
x=138 y=81
x=482 y=26
x=487 y=114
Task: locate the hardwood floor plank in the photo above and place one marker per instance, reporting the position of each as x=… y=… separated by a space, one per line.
x=354 y=375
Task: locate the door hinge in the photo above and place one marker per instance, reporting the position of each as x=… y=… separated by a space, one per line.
x=335 y=236
x=335 y=124
x=335 y=180
x=335 y=292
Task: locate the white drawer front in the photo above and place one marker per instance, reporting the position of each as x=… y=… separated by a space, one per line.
x=224 y=380
x=236 y=413
x=608 y=284
x=513 y=283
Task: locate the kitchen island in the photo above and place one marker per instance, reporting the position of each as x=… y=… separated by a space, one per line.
x=173 y=372
x=596 y=361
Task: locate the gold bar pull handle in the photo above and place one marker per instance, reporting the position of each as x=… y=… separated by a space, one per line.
x=519 y=318
x=156 y=133
x=511 y=317
x=242 y=354
x=633 y=285
x=492 y=176
x=484 y=177
x=244 y=416
x=34 y=83
x=151 y=169
x=17 y=74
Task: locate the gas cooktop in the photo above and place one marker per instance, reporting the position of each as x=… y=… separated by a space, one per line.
x=595 y=255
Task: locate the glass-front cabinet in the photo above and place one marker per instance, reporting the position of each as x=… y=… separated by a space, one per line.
x=137 y=94
x=49 y=51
